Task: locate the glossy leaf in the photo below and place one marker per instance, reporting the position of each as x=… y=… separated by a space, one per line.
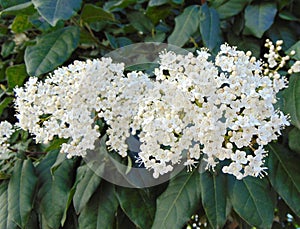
x=292 y=100
x=185 y=25
x=16 y=75
x=284 y=175
x=210 y=27
x=157 y=2
x=294 y=136
x=87 y=181
x=91 y=13
x=214 y=195
x=21 y=193
x=5 y=221
x=282 y=31
x=54 y=10
x=259 y=18
x=179 y=201
x=11 y=3
x=140 y=22
x=253 y=200
x=231 y=8
x=138 y=204
x=53 y=190
x=5 y=103
x=100 y=211
x=25 y=8
x=51 y=50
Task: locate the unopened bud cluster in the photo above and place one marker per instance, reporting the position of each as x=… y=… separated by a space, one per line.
x=195 y=109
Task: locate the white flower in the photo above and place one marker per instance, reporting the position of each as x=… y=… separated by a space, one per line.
x=221 y=109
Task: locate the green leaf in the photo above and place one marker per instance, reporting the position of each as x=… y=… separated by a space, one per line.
x=210 y=27
x=185 y=25
x=179 y=201
x=20 y=9
x=259 y=18
x=140 y=22
x=16 y=75
x=292 y=100
x=117 y=5
x=20 y=24
x=7 y=48
x=87 y=181
x=54 y=10
x=21 y=192
x=10 y=3
x=294 y=143
x=284 y=175
x=91 y=13
x=157 y=2
x=5 y=221
x=295 y=47
x=51 y=50
x=100 y=211
x=213 y=195
x=287 y=15
x=231 y=8
x=253 y=200
x=138 y=204
x=282 y=31
x=54 y=190
x=5 y=103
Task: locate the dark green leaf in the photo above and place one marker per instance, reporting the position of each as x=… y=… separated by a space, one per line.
x=140 y=22
x=117 y=4
x=91 y=13
x=253 y=200
x=294 y=137
x=259 y=18
x=138 y=204
x=210 y=27
x=213 y=195
x=185 y=25
x=21 y=192
x=284 y=175
x=231 y=8
x=157 y=2
x=100 y=211
x=53 y=190
x=51 y=50
x=5 y=221
x=295 y=47
x=87 y=181
x=11 y=3
x=5 y=103
x=16 y=75
x=20 y=9
x=179 y=201
x=286 y=15
x=7 y=48
x=292 y=100
x=61 y=157
x=282 y=31
x=55 y=10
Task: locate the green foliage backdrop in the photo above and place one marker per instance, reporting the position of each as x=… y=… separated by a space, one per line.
x=40 y=189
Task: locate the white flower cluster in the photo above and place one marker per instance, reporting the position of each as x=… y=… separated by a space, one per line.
x=6 y=130
x=66 y=104
x=194 y=109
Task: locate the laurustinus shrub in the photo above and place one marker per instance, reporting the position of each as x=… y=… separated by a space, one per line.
x=195 y=108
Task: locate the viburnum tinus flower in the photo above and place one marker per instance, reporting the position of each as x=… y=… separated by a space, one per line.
x=6 y=130
x=194 y=109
